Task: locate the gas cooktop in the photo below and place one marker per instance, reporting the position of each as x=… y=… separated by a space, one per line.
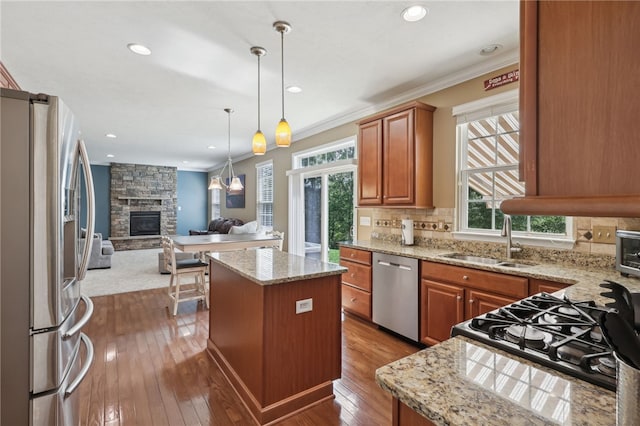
x=559 y=333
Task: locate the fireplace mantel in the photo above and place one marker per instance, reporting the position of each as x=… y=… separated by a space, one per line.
x=129 y=199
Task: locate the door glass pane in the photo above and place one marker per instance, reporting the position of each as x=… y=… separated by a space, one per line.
x=313 y=217
x=340 y=219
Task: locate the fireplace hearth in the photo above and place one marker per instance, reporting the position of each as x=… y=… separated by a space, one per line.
x=144 y=223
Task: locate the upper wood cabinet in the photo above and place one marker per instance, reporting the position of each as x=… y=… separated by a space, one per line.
x=579 y=107
x=395 y=157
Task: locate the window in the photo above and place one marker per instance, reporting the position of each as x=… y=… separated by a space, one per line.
x=264 y=193
x=488 y=138
x=325 y=155
x=215 y=204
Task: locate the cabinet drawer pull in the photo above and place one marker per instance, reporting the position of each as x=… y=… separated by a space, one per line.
x=353 y=275
x=353 y=254
x=353 y=299
x=465 y=277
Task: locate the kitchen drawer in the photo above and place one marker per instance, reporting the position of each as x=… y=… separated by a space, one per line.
x=356 y=301
x=355 y=255
x=507 y=285
x=357 y=275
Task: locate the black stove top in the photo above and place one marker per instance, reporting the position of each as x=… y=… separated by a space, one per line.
x=562 y=334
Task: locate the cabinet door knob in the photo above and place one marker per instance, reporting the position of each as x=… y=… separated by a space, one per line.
x=465 y=277
x=353 y=254
x=459 y=297
x=353 y=275
x=470 y=300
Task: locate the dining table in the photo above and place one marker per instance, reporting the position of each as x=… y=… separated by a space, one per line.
x=224 y=242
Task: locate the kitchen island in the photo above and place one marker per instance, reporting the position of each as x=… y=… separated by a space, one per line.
x=275 y=329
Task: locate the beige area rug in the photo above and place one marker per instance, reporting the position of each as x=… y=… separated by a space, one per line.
x=131 y=270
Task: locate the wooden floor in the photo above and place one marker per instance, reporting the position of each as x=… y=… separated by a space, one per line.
x=152 y=369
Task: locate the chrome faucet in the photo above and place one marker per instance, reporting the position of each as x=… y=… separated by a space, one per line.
x=506 y=232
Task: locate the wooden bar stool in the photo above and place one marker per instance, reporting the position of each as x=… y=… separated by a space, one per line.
x=182 y=292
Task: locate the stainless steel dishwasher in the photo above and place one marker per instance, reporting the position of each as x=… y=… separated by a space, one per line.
x=395 y=294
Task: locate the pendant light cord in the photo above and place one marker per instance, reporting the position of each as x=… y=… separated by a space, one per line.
x=258 y=92
x=282 y=66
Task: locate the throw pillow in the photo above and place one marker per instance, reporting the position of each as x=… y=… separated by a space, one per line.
x=247 y=228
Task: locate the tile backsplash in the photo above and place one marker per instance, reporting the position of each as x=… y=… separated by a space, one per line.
x=434 y=227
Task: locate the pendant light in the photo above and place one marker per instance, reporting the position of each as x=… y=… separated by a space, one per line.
x=235 y=183
x=259 y=143
x=283 y=131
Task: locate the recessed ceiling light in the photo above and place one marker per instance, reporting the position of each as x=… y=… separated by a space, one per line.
x=139 y=49
x=414 y=13
x=185 y=162
x=211 y=147
x=294 y=89
x=110 y=155
x=110 y=136
x=490 y=49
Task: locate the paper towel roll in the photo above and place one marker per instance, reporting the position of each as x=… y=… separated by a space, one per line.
x=407 y=232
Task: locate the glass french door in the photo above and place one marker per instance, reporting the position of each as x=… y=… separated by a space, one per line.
x=328 y=213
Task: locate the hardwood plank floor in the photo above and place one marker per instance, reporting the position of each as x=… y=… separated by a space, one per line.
x=153 y=369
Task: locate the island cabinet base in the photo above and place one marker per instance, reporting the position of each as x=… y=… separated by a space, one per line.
x=277 y=361
x=403 y=415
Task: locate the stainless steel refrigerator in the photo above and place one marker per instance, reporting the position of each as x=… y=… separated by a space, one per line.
x=42 y=161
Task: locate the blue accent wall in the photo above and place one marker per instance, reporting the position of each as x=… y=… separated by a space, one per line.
x=192 y=201
x=101 y=184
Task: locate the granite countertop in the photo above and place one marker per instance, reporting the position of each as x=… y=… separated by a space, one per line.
x=270 y=266
x=464 y=382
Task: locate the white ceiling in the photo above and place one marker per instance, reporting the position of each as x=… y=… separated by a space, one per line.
x=351 y=58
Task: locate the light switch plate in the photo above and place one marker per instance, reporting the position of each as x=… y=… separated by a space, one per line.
x=604 y=234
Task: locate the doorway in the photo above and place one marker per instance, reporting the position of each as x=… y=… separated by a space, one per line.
x=328 y=217
x=322 y=200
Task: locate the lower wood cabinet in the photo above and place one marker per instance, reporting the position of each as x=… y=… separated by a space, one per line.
x=480 y=302
x=441 y=306
x=403 y=415
x=356 y=282
x=451 y=294
x=356 y=301
x=537 y=286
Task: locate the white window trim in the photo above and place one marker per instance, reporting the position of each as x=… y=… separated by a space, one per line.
x=328 y=147
x=471 y=111
x=258 y=166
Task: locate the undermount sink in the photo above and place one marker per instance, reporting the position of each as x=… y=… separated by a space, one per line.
x=471 y=258
x=515 y=265
x=486 y=260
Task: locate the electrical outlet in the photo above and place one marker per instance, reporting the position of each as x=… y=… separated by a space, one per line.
x=365 y=221
x=604 y=234
x=303 y=306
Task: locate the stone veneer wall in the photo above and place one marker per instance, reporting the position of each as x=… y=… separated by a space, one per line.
x=136 y=187
x=433 y=228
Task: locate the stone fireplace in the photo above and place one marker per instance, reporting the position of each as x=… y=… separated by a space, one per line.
x=148 y=195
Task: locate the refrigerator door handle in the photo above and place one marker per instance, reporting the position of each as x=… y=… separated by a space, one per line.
x=82 y=270
x=85 y=318
x=85 y=367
